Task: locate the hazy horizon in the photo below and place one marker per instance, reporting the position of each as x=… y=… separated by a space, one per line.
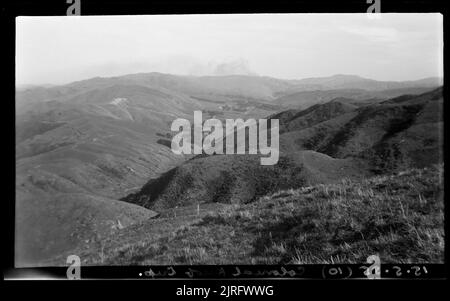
x=257 y=75
x=396 y=47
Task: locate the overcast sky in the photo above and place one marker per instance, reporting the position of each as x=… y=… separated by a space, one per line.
x=56 y=50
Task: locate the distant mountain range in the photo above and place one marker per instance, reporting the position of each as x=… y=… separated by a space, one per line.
x=259 y=87
x=342 y=81
x=83 y=146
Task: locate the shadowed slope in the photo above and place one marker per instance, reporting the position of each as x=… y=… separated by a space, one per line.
x=337 y=223
x=395 y=134
x=378 y=137
x=239 y=179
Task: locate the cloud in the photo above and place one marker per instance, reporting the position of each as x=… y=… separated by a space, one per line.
x=59 y=49
x=239 y=66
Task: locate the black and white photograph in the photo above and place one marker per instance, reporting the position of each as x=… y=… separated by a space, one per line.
x=229 y=139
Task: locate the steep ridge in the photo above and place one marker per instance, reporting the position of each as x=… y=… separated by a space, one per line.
x=238 y=179
x=293 y=120
x=394 y=134
x=335 y=139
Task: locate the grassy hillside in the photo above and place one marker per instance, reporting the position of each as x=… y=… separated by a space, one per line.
x=396 y=134
x=294 y=120
x=82 y=146
x=239 y=179
x=67 y=221
x=399 y=217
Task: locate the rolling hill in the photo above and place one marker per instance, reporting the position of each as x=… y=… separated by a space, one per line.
x=397 y=133
x=82 y=147
x=66 y=221
x=92 y=142
x=321 y=144
x=238 y=179
x=336 y=223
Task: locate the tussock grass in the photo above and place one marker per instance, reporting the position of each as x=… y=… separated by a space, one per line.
x=400 y=217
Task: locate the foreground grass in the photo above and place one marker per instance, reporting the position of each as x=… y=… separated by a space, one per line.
x=399 y=217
